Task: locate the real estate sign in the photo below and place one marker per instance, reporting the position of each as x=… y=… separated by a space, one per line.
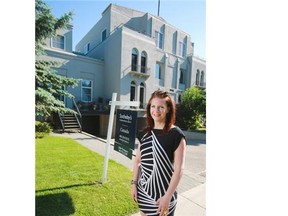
x=125 y=133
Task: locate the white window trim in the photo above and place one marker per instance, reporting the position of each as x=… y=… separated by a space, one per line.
x=157 y=37
x=64 y=39
x=87 y=88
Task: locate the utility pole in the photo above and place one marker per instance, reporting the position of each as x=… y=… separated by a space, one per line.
x=158 y=7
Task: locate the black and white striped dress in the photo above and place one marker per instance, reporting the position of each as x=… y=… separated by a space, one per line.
x=156 y=168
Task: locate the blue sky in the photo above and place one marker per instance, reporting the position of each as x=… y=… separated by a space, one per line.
x=188 y=15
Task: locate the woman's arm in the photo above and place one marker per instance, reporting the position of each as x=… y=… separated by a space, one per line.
x=135 y=173
x=179 y=163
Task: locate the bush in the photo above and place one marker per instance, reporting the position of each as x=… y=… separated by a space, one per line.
x=191 y=112
x=42 y=129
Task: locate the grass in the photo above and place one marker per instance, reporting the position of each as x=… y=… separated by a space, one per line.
x=68 y=179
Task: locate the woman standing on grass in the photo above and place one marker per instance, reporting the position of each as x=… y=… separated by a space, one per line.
x=160 y=158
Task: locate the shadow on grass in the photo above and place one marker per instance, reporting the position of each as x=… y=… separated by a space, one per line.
x=69 y=186
x=58 y=204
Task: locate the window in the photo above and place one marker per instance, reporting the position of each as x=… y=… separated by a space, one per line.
x=174 y=43
x=202 y=78
x=142 y=95
x=197 y=77
x=133 y=91
x=182 y=49
x=86 y=90
x=58 y=42
x=159 y=39
x=143 y=62
x=86 y=48
x=158 y=71
x=181 y=76
x=179 y=98
x=134 y=60
x=174 y=77
x=104 y=34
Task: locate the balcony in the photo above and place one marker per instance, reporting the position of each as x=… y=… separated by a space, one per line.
x=144 y=72
x=200 y=85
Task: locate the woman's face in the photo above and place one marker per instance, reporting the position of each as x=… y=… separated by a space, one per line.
x=158 y=110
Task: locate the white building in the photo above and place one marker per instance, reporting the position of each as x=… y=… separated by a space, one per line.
x=129 y=52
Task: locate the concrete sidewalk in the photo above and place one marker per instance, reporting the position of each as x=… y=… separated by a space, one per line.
x=191 y=189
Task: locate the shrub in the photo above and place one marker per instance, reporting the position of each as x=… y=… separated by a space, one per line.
x=42 y=129
x=191 y=112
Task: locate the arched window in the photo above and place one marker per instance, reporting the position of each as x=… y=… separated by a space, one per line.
x=143 y=62
x=179 y=98
x=142 y=95
x=181 y=76
x=202 y=78
x=133 y=91
x=134 y=59
x=197 y=77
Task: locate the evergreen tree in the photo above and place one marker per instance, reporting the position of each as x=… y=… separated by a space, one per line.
x=49 y=84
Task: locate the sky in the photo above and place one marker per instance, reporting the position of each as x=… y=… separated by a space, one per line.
x=187 y=15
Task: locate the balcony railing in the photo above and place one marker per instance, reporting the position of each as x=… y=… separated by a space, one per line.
x=143 y=72
x=201 y=84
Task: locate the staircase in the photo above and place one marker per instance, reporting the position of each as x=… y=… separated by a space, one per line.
x=70 y=122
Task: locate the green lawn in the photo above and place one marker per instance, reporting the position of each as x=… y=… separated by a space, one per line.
x=68 y=181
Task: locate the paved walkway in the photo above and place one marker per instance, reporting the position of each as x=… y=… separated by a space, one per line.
x=192 y=187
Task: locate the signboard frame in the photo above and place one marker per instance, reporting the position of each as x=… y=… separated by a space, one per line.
x=126 y=125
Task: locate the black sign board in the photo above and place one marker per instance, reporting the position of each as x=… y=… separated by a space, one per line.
x=125 y=132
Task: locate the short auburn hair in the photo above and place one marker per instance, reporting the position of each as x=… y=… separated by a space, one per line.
x=170 y=117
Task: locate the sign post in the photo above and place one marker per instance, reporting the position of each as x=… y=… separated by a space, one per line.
x=113 y=103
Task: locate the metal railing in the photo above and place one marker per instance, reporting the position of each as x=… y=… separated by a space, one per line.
x=61 y=121
x=78 y=115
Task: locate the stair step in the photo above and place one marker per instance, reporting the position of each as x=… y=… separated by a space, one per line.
x=70 y=117
x=70 y=122
x=71 y=127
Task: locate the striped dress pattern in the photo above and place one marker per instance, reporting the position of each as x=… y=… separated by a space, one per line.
x=155 y=173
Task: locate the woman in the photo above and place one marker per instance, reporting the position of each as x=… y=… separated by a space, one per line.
x=160 y=158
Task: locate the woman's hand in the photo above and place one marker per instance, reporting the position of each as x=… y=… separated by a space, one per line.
x=163 y=205
x=134 y=192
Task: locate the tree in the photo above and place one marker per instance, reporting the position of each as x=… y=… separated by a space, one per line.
x=49 y=84
x=192 y=110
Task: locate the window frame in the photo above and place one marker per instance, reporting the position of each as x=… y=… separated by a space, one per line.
x=134 y=59
x=182 y=74
x=159 y=36
x=202 y=74
x=143 y=63
x=86 y=87
x=159 y=71
x=86 y=48
x=54 y=40
x=197 y=77
x=134 y=86
x=182 y=49
x=142 y=97
x=105 y=30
